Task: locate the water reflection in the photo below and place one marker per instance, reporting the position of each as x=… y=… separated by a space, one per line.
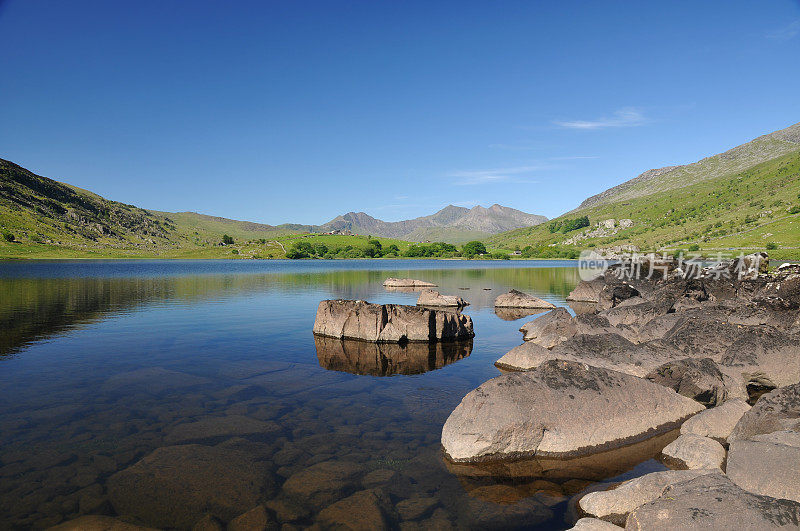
x=386 y=359
x=512 y=314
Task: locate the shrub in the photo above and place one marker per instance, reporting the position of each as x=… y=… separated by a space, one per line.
x=227 y=240
x=771 y=246
x=235 y=251
x=7 y=236
x=694 y=247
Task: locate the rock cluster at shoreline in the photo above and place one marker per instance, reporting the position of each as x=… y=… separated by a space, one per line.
x=407 y=283
x=648 y=355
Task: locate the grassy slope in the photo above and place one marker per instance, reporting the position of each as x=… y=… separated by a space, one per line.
x=740 y=211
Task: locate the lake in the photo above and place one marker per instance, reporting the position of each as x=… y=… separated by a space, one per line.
x=166 y=390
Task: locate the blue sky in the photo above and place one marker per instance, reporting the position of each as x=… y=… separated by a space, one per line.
x=297 y=111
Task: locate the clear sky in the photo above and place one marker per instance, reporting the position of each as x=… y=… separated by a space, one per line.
x=297 y=111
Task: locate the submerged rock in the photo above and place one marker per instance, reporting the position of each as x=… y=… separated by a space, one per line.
x=197 y=478
x=560 y=409
x=713 y=502
x=615 y=504
x=430 y=297
x=96 y=522
x=365 y=510
x=392 y=323
x=407 y=283
x=518 y=299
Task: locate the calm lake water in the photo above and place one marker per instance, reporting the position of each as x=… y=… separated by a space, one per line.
x=103 y=363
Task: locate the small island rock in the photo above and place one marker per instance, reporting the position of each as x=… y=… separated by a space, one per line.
x=518 y=299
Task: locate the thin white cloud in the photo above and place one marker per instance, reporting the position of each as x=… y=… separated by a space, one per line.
x=626 y=117
x=786 y=33
x=510 y=175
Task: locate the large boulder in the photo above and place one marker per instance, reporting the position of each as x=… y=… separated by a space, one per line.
x=386 y=359
x=765 y=468
x=407 y=283
x=636 y=312
x=431 y=297
x=713 y=502
x=174 y=484
x=718 y=422
x=604 y=350
x=778 y=410
x=694 y=452
x=587 y=291
x=518 y=299
x=392 y=323
x=550 y=329
x=560 y=409
x=697 y=378
x=615 y=504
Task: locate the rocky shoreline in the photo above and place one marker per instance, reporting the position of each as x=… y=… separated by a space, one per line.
x=647 y=353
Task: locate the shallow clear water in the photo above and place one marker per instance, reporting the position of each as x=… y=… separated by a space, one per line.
x=104 y=362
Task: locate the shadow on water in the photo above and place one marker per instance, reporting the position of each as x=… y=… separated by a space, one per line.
x=157 y=392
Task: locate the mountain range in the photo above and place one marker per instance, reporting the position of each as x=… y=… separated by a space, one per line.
x=452 y=224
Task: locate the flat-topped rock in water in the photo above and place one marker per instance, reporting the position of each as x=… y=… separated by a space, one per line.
x=407 y=283
x=765 y=468
x=518 y=299
x=391 y=323
x=430 y=297
x=615 y=504
x=713 y=502
x=694 y=452
x=560 y=409
x=718 y=422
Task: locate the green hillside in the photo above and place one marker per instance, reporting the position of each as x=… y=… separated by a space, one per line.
x=751 y=209
x=43 y=218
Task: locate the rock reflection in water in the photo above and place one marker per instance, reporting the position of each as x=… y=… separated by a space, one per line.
x=386 y=359
x=508 y=482
x=512 y=314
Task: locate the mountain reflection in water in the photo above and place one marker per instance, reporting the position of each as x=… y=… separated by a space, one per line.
x=387 y=359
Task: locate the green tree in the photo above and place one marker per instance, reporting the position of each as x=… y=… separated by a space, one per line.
x=227 y=240
x=320 y=249
x=7 y=236
x=473 y=248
